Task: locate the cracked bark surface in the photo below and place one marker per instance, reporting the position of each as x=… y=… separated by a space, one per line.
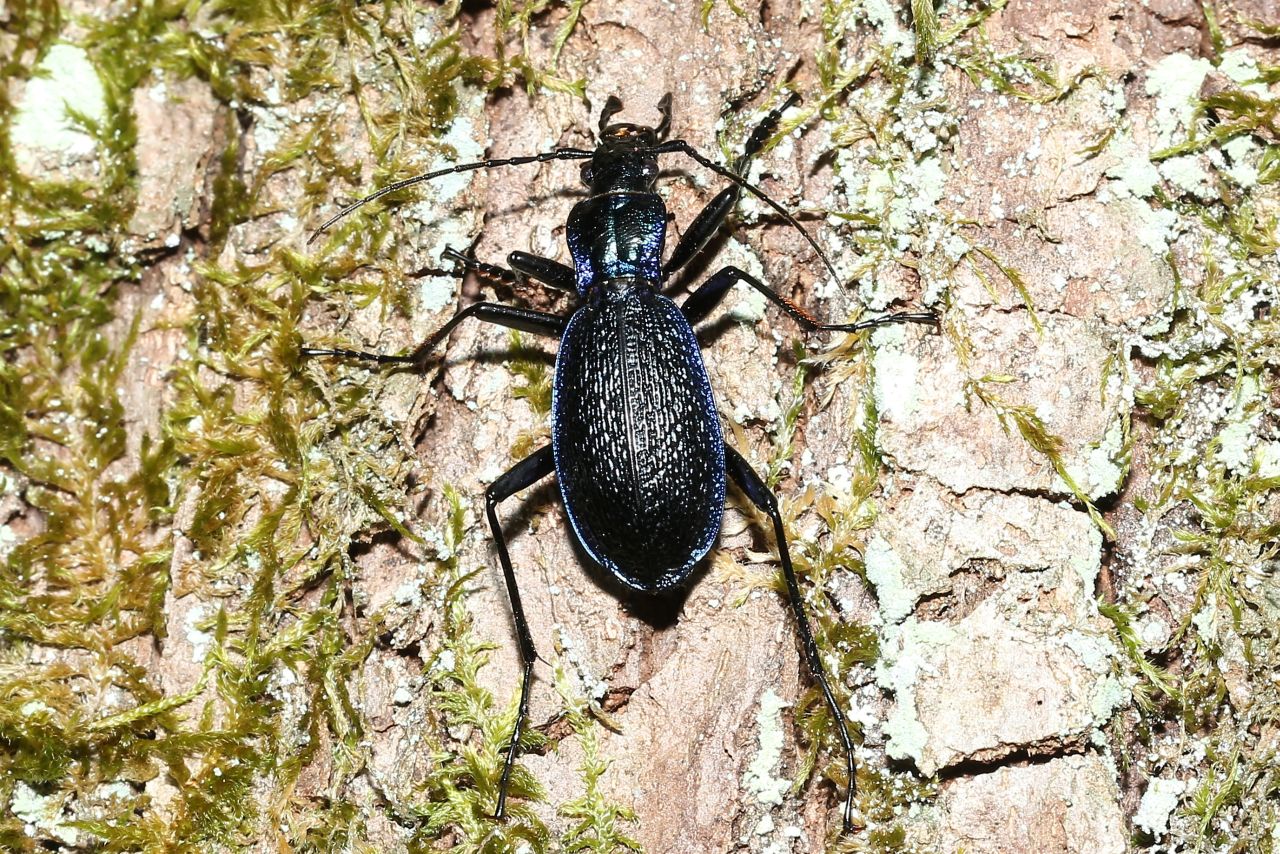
x=997 y=672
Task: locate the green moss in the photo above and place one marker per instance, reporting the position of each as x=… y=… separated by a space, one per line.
x=94 y=577
x=1203 y=402
x=1022 y=419
x=514 y=21
x=531 y=369
x=1031 y=79
x=924 y=21
x=280 y=469
x=598 y=820
x=276 y=489
x=461 y=792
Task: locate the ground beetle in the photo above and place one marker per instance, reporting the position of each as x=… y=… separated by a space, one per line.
x=636 y=443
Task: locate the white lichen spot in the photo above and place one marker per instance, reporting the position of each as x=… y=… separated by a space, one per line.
x=1188 y=174
x=1085 y=559
x=435 y=293
x=893 y=35
x=408 y=593
x=8 y=540
x=887 y=573
x=1103 y=467
x=1109 y=695
x=1156 y=227
x=1095 y=652
x=1205 y=620
x=897 y=385
x=908 y=652
x=199 y=639
x=445 y=662
x=1243 y=69
x=1175 y=82
x=1267 y=459
x=1158 y=803
x=1136 y=175
x=1245 y=155
x=65 y=82
x=1236 y=441
x=270 y=125
x=41 y=814
x=31 y=708
x=461 y=138
x=758 y=779
x=840 y=481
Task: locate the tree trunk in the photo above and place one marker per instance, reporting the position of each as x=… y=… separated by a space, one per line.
x=252 y=601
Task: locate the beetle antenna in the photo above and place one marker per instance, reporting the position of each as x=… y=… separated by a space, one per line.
x=682 y=147
x=557 y=154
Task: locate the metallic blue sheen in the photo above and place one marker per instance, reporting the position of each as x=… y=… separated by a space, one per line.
x=635 y=434
x=617 y=235
x=636 y=437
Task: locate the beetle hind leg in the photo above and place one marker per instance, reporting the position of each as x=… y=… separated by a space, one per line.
x=525 y=473
x=745 y=476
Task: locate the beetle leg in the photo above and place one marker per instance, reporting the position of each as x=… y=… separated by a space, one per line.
x=544 y=270
x=708 y=296
x=750 y=483
x=524 y=319
x=523 y=266
x=491 y=272
x=702 y=229
x=679 y=146
x=710 y=218
x=525 y=473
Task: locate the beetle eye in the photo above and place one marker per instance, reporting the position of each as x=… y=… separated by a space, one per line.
x=587 y=174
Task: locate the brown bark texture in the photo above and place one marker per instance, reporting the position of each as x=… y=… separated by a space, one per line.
x=1037 y=542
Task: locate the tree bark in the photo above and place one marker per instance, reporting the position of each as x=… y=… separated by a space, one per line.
x=1002 y=166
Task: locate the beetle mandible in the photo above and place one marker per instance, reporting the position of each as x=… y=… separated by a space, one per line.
x=636 y=442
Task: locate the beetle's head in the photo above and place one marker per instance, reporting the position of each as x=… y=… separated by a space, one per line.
x=623 y=158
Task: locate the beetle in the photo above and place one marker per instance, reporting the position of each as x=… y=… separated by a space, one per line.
x=636 y=442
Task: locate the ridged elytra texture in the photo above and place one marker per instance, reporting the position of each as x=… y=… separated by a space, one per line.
x=638 y=449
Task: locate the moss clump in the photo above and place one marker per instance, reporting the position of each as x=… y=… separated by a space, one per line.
x=279 y=473
x=1206 y=540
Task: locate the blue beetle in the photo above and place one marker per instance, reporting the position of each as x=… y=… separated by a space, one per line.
x=636 y=443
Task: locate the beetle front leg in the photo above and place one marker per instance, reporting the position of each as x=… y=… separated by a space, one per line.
x=702 y=301
x=523 y=319
x=750 y=483
x=545 y=270
x=525 y=473
x=710 y=218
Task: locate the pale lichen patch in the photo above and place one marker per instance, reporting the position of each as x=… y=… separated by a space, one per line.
x=65 y=83
x=758 y=779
